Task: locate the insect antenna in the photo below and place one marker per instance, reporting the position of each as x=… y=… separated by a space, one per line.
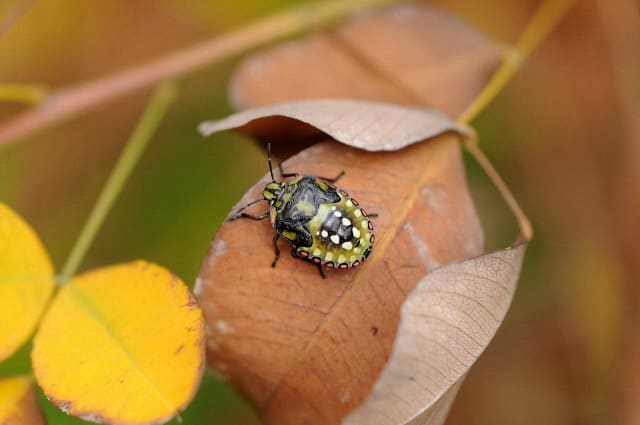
x=269 y=159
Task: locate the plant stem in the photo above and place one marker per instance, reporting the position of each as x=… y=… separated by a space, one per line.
x=22 y=93
x=66 y=103
x=153 y=114
x=526 y=230
x=18 y=11
x=549 y=13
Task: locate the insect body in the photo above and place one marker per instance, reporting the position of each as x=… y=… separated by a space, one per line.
x=323 y=224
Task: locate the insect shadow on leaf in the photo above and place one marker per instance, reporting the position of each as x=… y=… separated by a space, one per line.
x=322 y=223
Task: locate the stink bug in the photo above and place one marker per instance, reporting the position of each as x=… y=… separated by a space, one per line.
x=322 y=223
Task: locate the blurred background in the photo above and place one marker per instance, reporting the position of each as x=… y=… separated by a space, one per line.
x=565 y=135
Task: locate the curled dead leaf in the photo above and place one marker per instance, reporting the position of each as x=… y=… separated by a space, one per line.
x=447 y=321
x=308 y=350
x=372 y=126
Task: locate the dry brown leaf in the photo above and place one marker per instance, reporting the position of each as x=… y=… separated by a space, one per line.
x=407 y=54
x=308 y=350
x=447 y=321
x=372 y=126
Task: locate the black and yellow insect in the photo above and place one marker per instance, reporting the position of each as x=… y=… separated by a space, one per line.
x=323 y=224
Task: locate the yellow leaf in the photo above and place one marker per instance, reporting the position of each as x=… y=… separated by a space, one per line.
x=18 y=403
x=26 y=281
x=122 y=344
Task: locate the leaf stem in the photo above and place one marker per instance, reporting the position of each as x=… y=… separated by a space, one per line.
x=546 y=17
x=22 y=93
x=10 y=19
x=82 y=96
x=526 y=230
x=153 y=114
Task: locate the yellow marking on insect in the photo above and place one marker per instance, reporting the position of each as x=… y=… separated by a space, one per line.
x=317 y=252
x=352 y=258
x=329 y=256
x=348 y=203
x=364 y=225
x=289 y=235
x=286 y=197
x=306 y=207
x=357 y=213
x=341 y=258
x=322 y=185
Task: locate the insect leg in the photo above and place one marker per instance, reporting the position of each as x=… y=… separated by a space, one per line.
x=327 y=179
x=249 y=216
x=321 y=271
x=372 y=214
x=335 y=179
x=239 y=213
x=283 y=174
x=276 y=249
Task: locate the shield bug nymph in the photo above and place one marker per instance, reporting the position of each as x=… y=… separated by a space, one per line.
x=323 y=224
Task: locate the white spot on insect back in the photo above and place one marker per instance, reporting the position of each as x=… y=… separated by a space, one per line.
x=335 y=239
x=356 y=232
x=347 y=246
x=325 y=234
x=346 y=221
x=337 y=213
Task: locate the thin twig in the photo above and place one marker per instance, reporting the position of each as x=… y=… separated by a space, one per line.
x=549 y=13
x=136 y=144
x=72 y=101
x=526 y=230
x=30 y=94
x=545 y=19
x=14 y=15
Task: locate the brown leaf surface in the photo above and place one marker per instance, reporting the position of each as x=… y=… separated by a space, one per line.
x=404 y=54
x=308 y=350
x=407 y=54
x=447 y=321
x=372 y=126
